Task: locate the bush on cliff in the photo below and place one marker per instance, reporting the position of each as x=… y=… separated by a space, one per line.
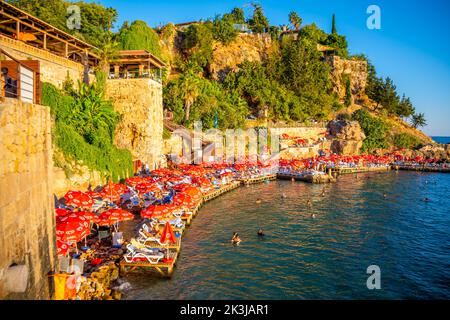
x=84 y=129
x=375 y=130
x=406 y=141
x=139 y=36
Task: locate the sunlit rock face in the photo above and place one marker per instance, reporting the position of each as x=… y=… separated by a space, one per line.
x=346 y=136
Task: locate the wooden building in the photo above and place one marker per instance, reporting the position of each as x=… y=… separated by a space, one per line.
x=136 y=64
x=20 y=25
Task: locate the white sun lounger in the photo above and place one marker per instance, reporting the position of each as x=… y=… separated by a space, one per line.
x=152 y=256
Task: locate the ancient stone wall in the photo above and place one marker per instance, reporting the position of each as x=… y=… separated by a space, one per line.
x=303 y=132
x=356 y=70
x=27 y=223
x=53 y=68
x=139 y=102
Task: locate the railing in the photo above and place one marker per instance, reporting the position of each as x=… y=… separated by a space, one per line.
x=135 y=75
x=23 y=87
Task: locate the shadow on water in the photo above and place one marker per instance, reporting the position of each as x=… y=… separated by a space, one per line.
x=324 y=257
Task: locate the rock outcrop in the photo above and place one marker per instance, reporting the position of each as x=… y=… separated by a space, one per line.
x=356 y=70
x=249 y=47
x=346 y=137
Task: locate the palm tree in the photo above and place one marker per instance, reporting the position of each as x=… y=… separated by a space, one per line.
x=295 y=20
x=190 y=90
x=108 y=51
x=418 y=120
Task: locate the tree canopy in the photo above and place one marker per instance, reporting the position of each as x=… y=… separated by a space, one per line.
x=139 y=36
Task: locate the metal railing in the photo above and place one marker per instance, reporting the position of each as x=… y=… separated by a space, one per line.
x=135 y=75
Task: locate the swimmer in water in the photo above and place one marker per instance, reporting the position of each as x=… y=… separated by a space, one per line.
x=235 y=239
x=313 y=216
x=309 y=203
x=260 y=233
x=258 y=201
x=284 y=196
x=426 y=199
x=323 y=193
x=385 y=195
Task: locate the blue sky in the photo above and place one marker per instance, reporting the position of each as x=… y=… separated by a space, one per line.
x=412 y=46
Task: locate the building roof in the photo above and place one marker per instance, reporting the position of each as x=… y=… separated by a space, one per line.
x=139 y=56
x=33 y=29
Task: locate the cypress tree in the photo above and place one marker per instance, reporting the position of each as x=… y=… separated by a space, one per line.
x=333 y=28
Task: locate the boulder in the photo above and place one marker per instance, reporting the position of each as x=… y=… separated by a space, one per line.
x=346 y=137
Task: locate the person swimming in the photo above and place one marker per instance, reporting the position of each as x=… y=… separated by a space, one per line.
x=260 y=233
x=385 y=195
x=323 y=193
x=258 y=201
x=284 y=196
x=313 y=216
x=426 y=200
x=309 y=203
x=235 y=239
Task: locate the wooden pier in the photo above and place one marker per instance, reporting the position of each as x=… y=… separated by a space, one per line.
x=162 y=268
x=421 y=169
x=259 y=179
x=347 y=170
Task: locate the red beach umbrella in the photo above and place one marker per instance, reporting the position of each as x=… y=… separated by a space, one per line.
x=79 y=199
x=91 y=217
x=61 y=248
x=62 y=212
x=168 y=235
x=71 y=231
x=113 y=216
x=158 y=211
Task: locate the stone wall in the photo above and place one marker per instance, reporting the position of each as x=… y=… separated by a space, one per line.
x=53 y=68
x=357 y=73
x=27 y=224
x=303 y=132
x=139 y=101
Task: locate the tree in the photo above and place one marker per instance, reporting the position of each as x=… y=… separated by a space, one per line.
x=418 y=120
x=139 y=36
x=333 y=23
x=237 y=15
x=295 y=20
x=374 y=128
x=405 y=107
x=197 y=43
x=108 y=51
x=223 y=29
x=189 y=86
x=258 y=23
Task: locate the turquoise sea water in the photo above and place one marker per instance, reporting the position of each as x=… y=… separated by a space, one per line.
x=441 y=139
x=316 y=258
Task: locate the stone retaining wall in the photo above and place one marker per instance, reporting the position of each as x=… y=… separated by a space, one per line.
x=139 y=102
x=27 y=223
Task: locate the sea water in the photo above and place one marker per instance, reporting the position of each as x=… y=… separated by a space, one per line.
x=325 y=257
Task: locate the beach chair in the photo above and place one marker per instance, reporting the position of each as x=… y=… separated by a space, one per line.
x=136 y=255
x=143 y=238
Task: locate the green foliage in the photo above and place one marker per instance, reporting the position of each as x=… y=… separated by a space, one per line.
x=84 y=128
x=237 y=16
x=259 y=22
x=348 y=90
x=197 y=44
x=339 y=43
x=139 y=36
x=406 y=141
x=295 y=20
x=333 y=25
x=418 y=120
x=193 y=98
x=374 y=128
x=405 y=107
x=223 y=29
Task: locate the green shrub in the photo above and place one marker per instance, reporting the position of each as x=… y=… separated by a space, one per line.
x=374 y=128
x=406 y=141
x=84 y=129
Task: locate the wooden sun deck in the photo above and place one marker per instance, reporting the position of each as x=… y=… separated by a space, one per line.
x=422 y=169
x=163 y=269
x=249 y=181
x=347 y=170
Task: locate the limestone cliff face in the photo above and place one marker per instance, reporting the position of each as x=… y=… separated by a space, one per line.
x=245 y=47
x=139 y=102
x=356 y=70
x=346 y=137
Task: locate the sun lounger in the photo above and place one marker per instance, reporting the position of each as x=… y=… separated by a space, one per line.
x=138 y=255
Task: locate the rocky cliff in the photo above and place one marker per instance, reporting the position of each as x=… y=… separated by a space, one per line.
x=355 y=70
x=346 y=137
